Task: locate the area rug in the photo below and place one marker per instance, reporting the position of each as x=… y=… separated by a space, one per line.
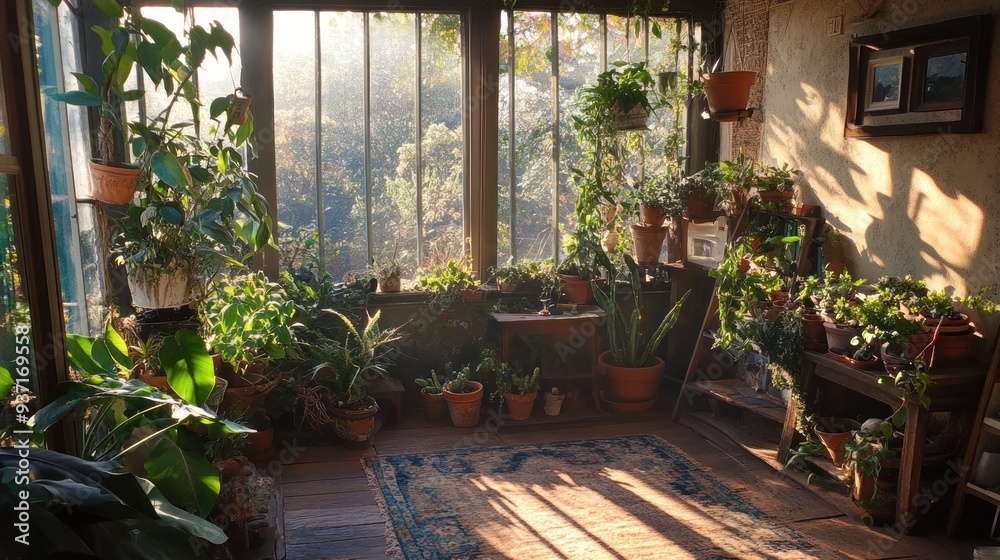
x=617 y=498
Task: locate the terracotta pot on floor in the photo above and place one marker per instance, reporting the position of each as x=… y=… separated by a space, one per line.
x=355 y=426
x=464 y=407
x=520 y=405
x=630 y=385
x=435 y=406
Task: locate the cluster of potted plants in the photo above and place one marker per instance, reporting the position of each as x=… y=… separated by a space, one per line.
x=450 y=281
x=527 y=276
x=454 y=395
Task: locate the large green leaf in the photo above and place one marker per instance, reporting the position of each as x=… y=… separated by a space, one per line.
x=75 y=97
x=82 y=355
x=117 y=348
x=180 y=519
x=189 y=367
x=185 y=478
x=169 y=170
x=110 y=7
x=6 y=382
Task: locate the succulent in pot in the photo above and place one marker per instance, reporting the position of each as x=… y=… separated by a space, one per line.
x=432 y=393
x=518 y=390
x=465 y=399
x=389 y=274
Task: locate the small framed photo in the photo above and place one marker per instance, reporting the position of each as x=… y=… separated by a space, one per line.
x=755 y=372
x=940 y=72
x=887 y=85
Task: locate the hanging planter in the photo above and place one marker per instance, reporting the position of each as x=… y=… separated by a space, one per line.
x=113 y=184
x=634 y=119
x=728 y=93
x=239 y=107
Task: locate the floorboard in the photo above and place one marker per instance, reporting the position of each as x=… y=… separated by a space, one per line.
x=329 y=511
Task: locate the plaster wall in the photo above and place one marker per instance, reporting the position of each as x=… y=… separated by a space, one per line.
x=921 y=205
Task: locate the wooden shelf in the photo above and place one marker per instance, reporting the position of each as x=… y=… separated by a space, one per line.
x=728 y=391
x=983 y=494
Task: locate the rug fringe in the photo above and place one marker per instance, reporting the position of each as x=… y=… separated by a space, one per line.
x=392 y=546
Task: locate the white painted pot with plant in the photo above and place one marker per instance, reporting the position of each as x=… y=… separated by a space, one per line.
x=554 y=401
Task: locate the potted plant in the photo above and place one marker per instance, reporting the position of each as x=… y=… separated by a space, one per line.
x=727 y=92
x=519 y=390
x=248 y=322
x=957 y=337
x=702 y=191
x=465 y=399
x=625 y=89
x=389 y=274
x=524 y=275
x=867 y=453
x=834 y=435
x=578 y=270
x=775 y=186
x=553 y=401
x=632 y=371
x=432 y=393
x=451 y=281
x=344 y=367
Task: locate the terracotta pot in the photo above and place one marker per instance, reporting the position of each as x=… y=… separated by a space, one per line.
x=952 y=350
x=113 y=184
x=630 y=385
x=777 y=200
x=815 y=333
x=958 y=324
x=834 y=442
x=260 y=445
x=648 y=243
x=838 y=337
x=520 y=405
x=473 y=295
x=553 y=403
x=652 y=215
x=728 y=91
x=701 y=206
x=247 y=389
x=634 y=119
x=864 y=487
x=158 y=381
x=354 y=426
x=810 y=210
x=435 y=406
x=390 y=285
x=464 y=407
x=169 y=290
x=577 y=290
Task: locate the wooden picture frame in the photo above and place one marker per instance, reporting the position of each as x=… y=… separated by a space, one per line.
x=887 y=85
x=934 y=49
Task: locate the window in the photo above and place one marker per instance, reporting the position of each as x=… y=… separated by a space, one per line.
x=369 y=138
x=538 y=144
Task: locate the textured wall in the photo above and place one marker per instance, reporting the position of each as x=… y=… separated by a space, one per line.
x=747 y=20
x=921 y=205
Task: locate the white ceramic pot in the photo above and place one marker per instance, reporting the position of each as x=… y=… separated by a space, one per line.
x=987 y=472
x=165 y=291
x=553 y=403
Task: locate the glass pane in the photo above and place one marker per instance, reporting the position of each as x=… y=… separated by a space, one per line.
x=342 y=40
x=16 y=350
x=533 y=109
x=157 y=100
x=624 y=44
x=394 y=196
x=441 y=116
x=579 y=64
x=60 y=165
x=503 y=156
x=667 y=130
x=216 y=78
x=295 y=137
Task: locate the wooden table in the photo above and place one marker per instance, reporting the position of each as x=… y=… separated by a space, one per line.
x=577 y=330
x=953 y=389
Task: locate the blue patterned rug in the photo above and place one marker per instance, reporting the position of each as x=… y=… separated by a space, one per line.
x=616 y=498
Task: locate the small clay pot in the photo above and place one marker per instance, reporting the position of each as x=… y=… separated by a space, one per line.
x=435 y=406
x=464 y=407
x=520 y=406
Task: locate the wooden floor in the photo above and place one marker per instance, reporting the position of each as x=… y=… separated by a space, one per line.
x=329 y=511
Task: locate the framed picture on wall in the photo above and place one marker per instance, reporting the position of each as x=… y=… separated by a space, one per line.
x=887 y=86
x=940 y=72
x=922 y=80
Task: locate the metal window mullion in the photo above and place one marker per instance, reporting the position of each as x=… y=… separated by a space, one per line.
x=418 y=135
x=554 y=49
x=511 y=140
x=689 y=101
x=318 y=143
x=645 y=58
x=368 y=136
